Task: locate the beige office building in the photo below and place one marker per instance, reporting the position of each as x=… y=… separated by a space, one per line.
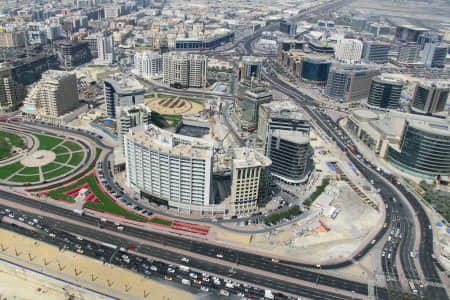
x=249 y=180
x=12 y=39
x=54 y=95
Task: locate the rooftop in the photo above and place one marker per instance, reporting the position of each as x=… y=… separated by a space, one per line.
x=296 y=137
x=246 y=157
x=165 y=141
x=279 y=106
x=124 y=85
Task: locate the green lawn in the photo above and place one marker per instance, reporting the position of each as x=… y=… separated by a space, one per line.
x=15 y=140
x=172 y=119
x=47 y=142
x=60 y=150
x=63 y=158
x=5 y=148
x=165 y=96
x=157 y=220
x=57 y=172
x=72 y=146
x=195 y=100
x=7 y=170
x=19 y=178
x=98 y=151
x=50 y=167
x=76 y=158
x=29 y=171
x=107 y=204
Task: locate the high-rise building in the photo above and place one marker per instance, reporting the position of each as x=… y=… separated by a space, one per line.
x=92 y=42
x=315 y=70
x=385 y=93
x=280 y=115
x=105 y=49
x=73 y=53
x=169 y=168
x=121 y=91
x=54 y=95
x=430 y=97
x=250 y=68
x=423 y=149
x=113 y=11
x=250 y=175
x=184 y=70
x=408 y=33
x=148 y=64
x=359 y=23
x=408 y=53
x=287 y=45
x=289 y=28
x=348 y=50
x=132 y=116
x=375 y=52
x=11 y=92
x=12 y=39
x=251 y=94
x=290 y=152
x=434 y=55
x=349 y=82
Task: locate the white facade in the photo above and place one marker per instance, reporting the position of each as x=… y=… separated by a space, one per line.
x=170 y=167
x=148 y=64
x=54 y=95
x=348 y=50
x=186 y=70
x=105 y=49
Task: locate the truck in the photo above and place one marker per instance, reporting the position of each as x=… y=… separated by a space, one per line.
x=184 y=268
x=224 y=292
x=185 y=281
x=78 y=212
x=268 y=294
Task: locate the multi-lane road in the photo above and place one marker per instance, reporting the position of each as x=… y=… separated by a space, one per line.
x=390 y=191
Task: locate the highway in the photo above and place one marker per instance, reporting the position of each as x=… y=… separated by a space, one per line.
x=162 y=253
x=390 y=192
x=202 y=248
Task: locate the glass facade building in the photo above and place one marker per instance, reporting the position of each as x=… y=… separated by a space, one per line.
x=424 y=149
x=315 y=70
x=385 y=93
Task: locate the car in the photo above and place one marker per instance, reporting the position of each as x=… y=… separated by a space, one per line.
x=275 y=260
x=80 y=251
x=373 y=242
x=204 y=288
x=170 y=270
x=185 y=259
x=205 y=279
x=154 y=268
x=219 y=255
x=383 y=254
x=167 y=277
